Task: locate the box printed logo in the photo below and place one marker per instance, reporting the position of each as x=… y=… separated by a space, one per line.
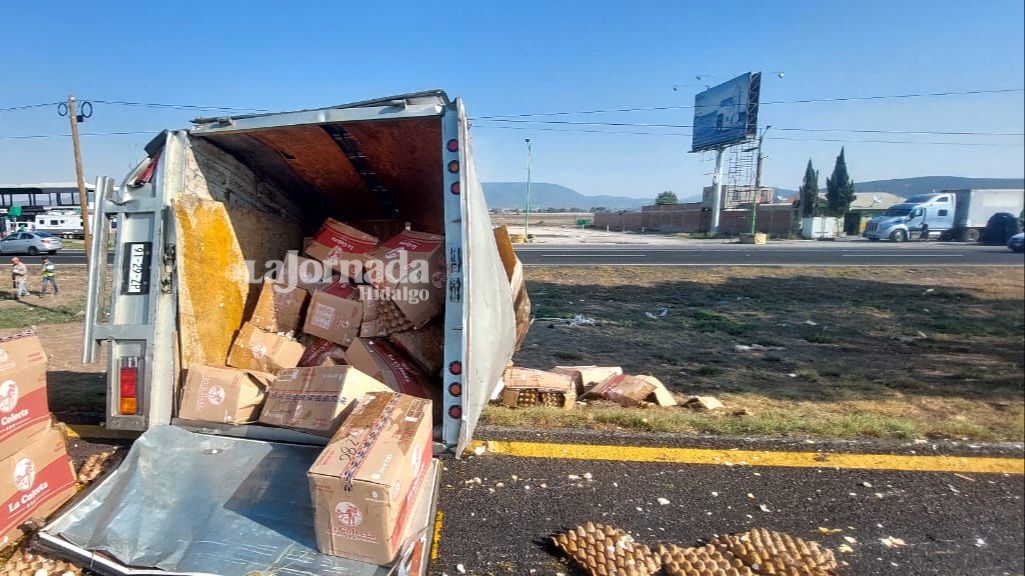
x=24 y=474
x=348 y=514
x=8 y=396
x=216 y=395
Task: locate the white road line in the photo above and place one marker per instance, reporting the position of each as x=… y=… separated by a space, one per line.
x=593 y=255
x=777 y=265
x=902 y=256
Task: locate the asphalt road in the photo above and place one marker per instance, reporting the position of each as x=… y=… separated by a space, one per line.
x=66 y=257
x=498 y=512
x=857 y=253
x=781 y=254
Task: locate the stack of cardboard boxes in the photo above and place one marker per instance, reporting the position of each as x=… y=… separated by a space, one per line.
x=36 y=475
x=562 y=385
x=348 y=346
x=351 y=301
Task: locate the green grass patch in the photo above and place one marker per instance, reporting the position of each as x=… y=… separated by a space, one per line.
x=32 y=315
x=705 y=321
x=799 y=422
x=998 y=325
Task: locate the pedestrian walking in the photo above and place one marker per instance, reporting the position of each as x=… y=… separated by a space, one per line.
x=49 y=277
x=19 y=277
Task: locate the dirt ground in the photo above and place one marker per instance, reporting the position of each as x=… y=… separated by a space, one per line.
x=886 y=352
x=76 y=391
x=36 y=309
x=846 y=352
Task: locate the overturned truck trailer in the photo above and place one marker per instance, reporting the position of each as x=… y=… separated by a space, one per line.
x=193 y=218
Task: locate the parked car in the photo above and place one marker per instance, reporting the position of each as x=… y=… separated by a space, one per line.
x=1017 y=242
x=30 y=243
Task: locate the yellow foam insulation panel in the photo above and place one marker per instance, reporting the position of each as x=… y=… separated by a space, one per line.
x=211 y=290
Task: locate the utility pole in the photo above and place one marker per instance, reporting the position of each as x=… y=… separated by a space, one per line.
x=758 y=181
x=83 y=195
x=526 y=211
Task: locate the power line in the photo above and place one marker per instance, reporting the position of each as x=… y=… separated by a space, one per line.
x=861 y=131
x=583 y=130
x=570 y=130
x=28 y=106
x=40 y=136
x=177 y=106
x=686 y=134
x=801 y=101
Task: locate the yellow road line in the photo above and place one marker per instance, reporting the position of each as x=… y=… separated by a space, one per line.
x=977 y=465
x=436 y=538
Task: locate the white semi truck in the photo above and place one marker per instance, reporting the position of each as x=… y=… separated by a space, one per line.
x=948 y=215
x=200 y=498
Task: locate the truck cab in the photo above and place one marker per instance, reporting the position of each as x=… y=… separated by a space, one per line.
x=931 y=215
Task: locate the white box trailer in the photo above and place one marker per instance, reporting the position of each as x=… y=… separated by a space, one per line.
x=63 y=223
x=975 y=207
x=206 y=201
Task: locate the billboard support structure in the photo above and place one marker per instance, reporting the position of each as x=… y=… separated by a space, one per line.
x=725 y=115
x=716 y=191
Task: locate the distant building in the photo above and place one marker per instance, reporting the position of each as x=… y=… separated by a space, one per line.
x=865 y=206
x=37 y=198
x=738 y=196
x=21 y=203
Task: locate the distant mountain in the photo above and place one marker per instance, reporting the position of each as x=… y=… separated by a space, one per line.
x=547 y=195
x=906 y=187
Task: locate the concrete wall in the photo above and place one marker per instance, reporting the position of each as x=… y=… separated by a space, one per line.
x=772 y=219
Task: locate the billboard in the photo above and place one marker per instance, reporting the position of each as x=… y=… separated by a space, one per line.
x=727 y=114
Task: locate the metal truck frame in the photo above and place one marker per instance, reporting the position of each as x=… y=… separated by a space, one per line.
x=143 y=323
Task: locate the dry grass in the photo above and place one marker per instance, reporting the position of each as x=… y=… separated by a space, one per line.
x=561 y=219
x=859 y=368
x=34 y=309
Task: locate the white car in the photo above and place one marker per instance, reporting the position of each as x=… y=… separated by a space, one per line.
x=30 y=243
x=1017 y=242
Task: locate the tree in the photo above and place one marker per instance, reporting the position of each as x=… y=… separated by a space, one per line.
x=809 y=191
x=840 y=187
x=666 y=197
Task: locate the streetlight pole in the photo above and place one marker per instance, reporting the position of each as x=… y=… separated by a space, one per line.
x=758 y=181
x=526 y=210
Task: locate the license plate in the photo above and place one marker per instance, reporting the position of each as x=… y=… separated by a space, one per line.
x=138 y=256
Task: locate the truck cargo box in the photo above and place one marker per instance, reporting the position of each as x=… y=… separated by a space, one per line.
x=213 y=207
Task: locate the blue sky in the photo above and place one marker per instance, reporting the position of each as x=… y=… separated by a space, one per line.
x=523 y=57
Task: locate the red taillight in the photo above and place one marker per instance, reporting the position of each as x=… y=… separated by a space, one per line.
x=128 y=377
x=453 y=145
x=456 y=368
